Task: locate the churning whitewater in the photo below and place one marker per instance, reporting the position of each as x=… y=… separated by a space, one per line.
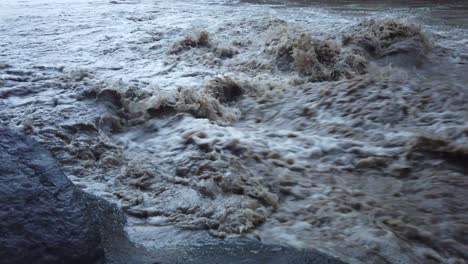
x=312 y=127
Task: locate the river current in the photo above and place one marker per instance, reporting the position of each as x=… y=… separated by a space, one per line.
x=340 y=126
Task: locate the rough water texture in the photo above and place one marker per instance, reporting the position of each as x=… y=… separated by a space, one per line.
x=301 y=126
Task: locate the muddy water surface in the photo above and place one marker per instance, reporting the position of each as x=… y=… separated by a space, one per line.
x=341 y=126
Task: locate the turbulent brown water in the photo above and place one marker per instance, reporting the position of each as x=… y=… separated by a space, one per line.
x=341 y=126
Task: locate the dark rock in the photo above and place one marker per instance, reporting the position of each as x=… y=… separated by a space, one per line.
x=248 y=251
x=43 y=217
x=213 y=251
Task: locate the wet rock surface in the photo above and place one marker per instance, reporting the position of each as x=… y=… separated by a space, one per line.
x=211 y=250
x=248 y=251
x=43 y=217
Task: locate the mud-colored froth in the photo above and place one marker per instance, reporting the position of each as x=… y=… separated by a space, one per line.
x=312 y=127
